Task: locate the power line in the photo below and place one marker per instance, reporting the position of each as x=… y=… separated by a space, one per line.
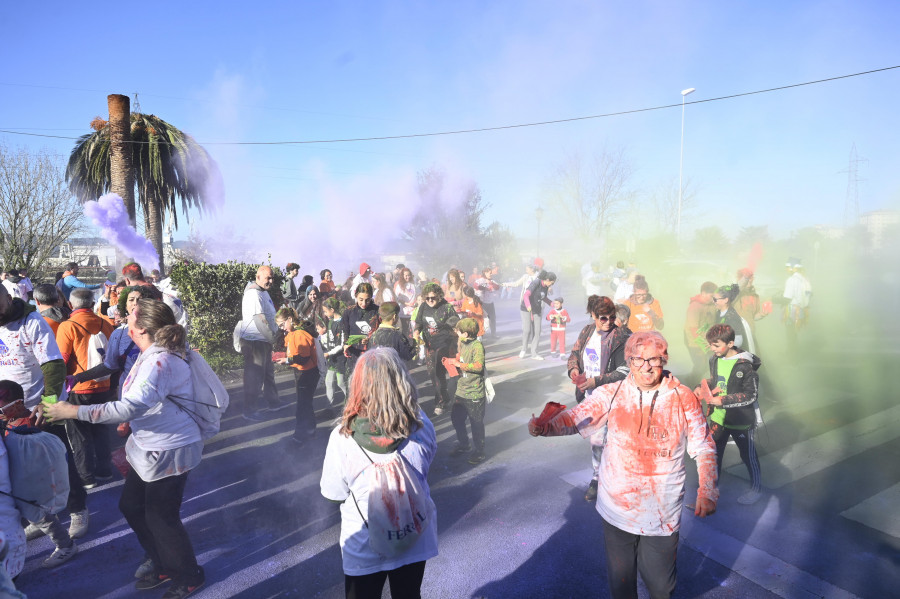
x=500 y=127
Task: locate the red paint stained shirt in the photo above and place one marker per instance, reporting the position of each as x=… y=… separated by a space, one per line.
x=642 y=470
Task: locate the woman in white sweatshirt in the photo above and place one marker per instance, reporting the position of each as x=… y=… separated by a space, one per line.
x=165 y=445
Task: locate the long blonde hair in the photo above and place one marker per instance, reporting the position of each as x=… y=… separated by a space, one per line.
x=382 y=390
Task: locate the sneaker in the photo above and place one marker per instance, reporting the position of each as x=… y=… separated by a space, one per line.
x=79 y=524
x=749 y=498
x=256 y=416
x=90 y=484
x=522 y=354
x=60 y=556
x=32 y=532
x=459 y=450
x=438 y=410
x=477 y=457
x=146 y=568
x=180 y=591
x=591 y=493
x=151 y=581
x=563 y=356
x=536 y=357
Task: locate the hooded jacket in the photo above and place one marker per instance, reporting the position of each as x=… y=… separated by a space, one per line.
x=73 y=337
x=700 y=316
x=742 y=390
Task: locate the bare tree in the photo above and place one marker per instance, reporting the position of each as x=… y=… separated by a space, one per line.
x=591 y=190
x=665 y=199
x=37 y=210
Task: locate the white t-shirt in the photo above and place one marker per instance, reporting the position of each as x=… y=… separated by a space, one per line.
x=12 y=288
x=592 y=356
x=256 y=302
x=342 y=472
x=25 y=344
x=796 y=288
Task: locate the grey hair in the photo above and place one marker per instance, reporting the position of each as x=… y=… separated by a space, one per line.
x=623 y=312
x=46 y=294
x=81 y=298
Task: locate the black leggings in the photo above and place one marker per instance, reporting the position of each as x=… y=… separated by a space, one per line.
x=405 y=581
x=152 y=510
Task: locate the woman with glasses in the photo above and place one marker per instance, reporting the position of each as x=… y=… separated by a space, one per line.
x=435 y=322
x=598 y=358
x=652 y=421
x=723 y=299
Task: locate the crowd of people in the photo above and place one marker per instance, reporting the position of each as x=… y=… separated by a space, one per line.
x=79 y=367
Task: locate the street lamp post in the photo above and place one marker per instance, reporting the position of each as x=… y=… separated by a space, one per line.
x=539 y=214
x=684 y=93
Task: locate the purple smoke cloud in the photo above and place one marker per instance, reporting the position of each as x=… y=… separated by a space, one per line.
x=109 y=214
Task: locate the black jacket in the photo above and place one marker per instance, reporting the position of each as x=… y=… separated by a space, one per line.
x=359 y=321
x=437 y=324
x=387 y=336
x=742 y=389
x=614 y=344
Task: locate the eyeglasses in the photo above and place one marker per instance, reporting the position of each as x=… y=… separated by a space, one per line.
x=606 y=318
x=718 y=299
x=638 y=362
x=431 y=298
x=9 y=405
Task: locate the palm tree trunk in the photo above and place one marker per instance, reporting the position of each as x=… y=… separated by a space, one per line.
x=121 y=172
x=153 y=229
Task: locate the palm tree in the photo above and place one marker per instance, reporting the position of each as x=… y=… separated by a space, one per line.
x=169 y=165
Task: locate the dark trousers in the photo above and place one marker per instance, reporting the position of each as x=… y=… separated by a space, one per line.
x=627 y=554
x=491 y=312
x=434 y=360
x=473 y=411
x=746 y=444
x=77 y=501
x=90 y=442
x=405 y=581
x=259 y=375
x=152 y=510
x=306 y=382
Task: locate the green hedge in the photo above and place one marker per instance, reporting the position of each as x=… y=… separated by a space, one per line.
x=212 y=294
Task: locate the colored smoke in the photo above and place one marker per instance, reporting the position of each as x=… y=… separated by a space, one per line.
x=109 y=215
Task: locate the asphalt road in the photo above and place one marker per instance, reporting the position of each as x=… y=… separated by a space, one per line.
x=517 y=525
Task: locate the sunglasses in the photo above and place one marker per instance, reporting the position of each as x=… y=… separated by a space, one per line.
x=609 y=318
x=431 y=298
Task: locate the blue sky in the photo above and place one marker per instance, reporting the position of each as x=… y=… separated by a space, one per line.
x=230 y=71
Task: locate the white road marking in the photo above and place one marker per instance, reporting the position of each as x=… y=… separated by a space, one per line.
x=878 y=511
x=813 y=455
x=769 y=572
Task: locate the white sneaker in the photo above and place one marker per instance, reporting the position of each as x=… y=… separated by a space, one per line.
x=60 y=556
x=522 y=354
x=32 y=532
x=749 y=498
x=536 y=357
x=79 y=525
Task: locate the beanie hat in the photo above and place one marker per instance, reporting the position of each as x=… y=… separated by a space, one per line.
x=363 y=268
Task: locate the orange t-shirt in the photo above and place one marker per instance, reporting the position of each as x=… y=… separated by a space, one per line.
x=300 y=343
x=470 y=310
x=640 y=320
x=73 y=336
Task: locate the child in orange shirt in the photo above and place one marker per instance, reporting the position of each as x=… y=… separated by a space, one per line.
x=303 y=358
x=473 y=308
